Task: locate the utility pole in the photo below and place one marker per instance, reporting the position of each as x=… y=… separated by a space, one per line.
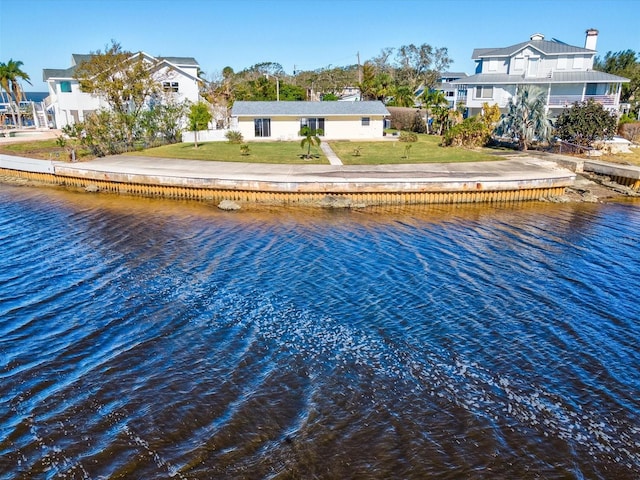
x=359 y=69
x=277 y=85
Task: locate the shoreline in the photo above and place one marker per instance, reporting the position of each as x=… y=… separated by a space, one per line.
x=543 y=177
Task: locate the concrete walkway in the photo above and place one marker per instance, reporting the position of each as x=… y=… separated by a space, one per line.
x=331 y=156
x=514 y=173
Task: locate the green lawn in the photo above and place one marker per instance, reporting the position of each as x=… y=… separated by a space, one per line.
x=43 y=149
x=426 y=150
x=259 y=152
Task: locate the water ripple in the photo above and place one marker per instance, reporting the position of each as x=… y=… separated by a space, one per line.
x=152 y=339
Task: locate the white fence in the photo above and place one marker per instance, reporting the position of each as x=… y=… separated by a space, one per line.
x=205 y=136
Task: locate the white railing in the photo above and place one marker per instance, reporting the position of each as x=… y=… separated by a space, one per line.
x=568 y=100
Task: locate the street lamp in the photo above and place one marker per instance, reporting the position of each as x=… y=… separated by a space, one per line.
x=277 y=85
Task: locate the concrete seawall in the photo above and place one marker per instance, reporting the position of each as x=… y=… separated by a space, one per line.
x=516 y=179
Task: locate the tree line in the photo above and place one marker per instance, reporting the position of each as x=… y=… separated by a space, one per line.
x=141 y=113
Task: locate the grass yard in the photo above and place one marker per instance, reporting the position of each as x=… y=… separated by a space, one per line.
x=259 y=152
x=624 y=158
x=426 y=150
x=43 y=149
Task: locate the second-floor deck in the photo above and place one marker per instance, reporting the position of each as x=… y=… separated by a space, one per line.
x=568 y=100
x=553 y=101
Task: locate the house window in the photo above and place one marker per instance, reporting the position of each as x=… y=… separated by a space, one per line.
x=592 y=89
x=532 y=67
x=562 y=63
x=170 y=87
x=366 y=121
x=577 y=62
x=484 y=92
x=65 y=87
x=314 y=124
x=518 y=64
x=262 y=127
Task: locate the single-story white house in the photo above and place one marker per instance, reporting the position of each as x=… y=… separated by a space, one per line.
x=67 y=104
x=283 y=120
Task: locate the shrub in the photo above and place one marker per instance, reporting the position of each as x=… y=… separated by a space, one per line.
x=408 y=137
x=472 y=132
x=586 y=122
x=234 y=136
x=407 y=118
x=630 y=131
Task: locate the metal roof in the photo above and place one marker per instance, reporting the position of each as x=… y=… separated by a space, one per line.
x=453 y=75
x=181 y=61
x=545 y=46
x=48 y=73
x=78 y=58
x=307 y=109
x=589 y=76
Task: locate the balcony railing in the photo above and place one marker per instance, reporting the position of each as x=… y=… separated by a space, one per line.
x=568 y=100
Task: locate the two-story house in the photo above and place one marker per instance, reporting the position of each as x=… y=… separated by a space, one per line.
x=563 y=71
x=454 y=92
x=67 y=104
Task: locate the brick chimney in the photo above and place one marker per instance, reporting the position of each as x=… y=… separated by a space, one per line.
x=591 y=40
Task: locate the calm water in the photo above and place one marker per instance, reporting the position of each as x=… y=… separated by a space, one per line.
x=153 y=339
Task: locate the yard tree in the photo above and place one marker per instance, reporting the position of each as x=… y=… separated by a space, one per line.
x=123 y=80
x=436 y=104
x=490 y=115
x=220 y=88
x=324 y=81
x=526 y=118
x=162 y=123
x=199 y=118
x=586 y=122
x=421 y=65
x=311 y=137
x=368 y=84
x=403 y=97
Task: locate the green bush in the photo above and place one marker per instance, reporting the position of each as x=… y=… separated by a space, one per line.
x=408 y=137
x=234 y=136
x=585 y=123
x=472 y=132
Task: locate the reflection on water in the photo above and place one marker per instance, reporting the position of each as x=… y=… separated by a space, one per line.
x=146 y=339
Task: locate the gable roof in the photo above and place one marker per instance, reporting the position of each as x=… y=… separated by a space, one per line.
x=181 y=61
x=307 y=109
x=544 y=46
x=78 y=58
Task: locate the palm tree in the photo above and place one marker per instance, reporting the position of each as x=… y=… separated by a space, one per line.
x=403 y=97
x=10 y=76
x=433 y=100
x=526 y=118
x=311 y=137
x=5 y=83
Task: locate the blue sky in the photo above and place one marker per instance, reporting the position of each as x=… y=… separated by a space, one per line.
x=307 y=35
